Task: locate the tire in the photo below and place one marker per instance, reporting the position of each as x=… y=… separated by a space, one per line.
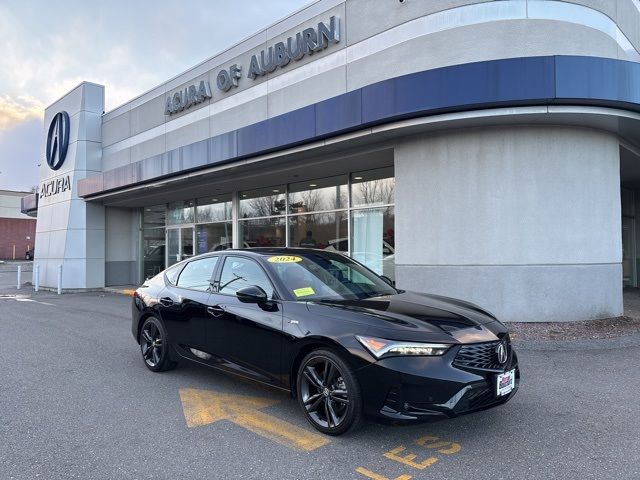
x=331 y=401
x=27 y=257
x=154 y=346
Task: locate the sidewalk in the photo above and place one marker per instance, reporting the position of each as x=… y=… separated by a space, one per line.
x=12 y=265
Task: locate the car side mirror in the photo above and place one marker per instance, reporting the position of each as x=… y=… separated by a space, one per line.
x=252 y=294
x=387 y=280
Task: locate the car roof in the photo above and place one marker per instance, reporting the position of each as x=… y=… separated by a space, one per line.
x=262 y=251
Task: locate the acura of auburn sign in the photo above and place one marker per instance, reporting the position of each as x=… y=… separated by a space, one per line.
x=279 y=55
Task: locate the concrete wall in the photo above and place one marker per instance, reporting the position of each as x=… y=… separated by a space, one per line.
x=523 y=221
x=121 y=246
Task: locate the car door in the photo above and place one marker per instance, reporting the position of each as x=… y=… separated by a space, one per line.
x=247 y=336
x=184 y=304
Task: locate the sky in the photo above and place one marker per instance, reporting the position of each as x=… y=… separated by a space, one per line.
x=49 y=47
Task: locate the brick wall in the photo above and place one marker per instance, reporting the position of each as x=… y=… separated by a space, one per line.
x=14 y=231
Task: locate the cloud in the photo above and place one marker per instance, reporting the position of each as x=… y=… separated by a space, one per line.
x=20 y=109
x=45 y=54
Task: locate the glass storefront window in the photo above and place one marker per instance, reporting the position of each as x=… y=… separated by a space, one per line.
x=213 y=209
x=319 y=195
x=313 y=214
x=173 y=244
x=263 y=202
x=372 y=239
x=180 y=212
x=154 y=216
x=373 y=187
x=153 y=249
x=328 y=231
x=179 y=244
x=263 y=232
x=214 y=237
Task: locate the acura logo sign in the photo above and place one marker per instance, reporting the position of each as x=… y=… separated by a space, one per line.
x=501 y=351
x=58 y=140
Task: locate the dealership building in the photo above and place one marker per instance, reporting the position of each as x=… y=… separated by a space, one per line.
x=486 y=150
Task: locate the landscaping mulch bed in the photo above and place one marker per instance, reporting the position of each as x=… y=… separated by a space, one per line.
x=603 y=328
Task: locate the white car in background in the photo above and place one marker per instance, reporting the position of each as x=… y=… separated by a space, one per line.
x=369 y=259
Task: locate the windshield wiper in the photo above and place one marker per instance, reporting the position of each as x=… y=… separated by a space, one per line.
x=238 y=277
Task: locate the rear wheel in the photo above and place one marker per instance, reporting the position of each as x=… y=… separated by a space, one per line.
x=328 y=393
x=154 y=346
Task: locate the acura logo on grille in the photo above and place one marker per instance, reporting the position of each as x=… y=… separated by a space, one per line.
x=501 y=351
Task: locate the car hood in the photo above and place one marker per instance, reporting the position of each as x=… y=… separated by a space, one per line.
x=415 y=316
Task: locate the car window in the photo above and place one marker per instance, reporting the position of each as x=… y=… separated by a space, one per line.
x=314 y=276
x=173 y=272
x=196 y=275
x=239 y=272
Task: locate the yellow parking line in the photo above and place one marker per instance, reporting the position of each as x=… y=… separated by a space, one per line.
x=202 y=407
x=375 y=476
x=279 y=431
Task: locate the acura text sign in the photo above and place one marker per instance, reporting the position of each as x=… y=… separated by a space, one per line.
x=279 y=55
x=53 y=187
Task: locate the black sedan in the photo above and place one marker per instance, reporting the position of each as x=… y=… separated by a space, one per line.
x=341 y=339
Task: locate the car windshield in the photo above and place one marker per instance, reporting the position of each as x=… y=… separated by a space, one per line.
x=317 y=277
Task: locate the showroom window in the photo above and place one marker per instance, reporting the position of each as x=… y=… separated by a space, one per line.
x=214 y=227
x=352 y=214
x=373 y=187
x=262 y=220
x=153 y=240
x=372 y=229
x=327 y=230
x=180 y=212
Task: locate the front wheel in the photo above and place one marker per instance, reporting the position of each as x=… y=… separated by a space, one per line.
x=328 y=393
x=154 y=346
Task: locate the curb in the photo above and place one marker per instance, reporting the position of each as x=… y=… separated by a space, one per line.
x=120 y=291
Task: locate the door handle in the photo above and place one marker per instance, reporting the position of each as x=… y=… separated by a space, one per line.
x=216 y=310
x=166 y=301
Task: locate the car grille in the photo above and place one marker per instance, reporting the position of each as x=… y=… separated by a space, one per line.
x=482 y=356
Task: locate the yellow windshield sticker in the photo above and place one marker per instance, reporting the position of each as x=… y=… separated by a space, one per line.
x=284 y=259
x=303 y=292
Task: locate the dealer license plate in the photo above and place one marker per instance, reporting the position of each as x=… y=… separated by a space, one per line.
x=505 y=382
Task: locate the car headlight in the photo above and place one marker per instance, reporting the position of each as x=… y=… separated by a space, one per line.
x=380 y=347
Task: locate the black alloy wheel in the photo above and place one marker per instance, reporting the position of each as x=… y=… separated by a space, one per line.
x=154 y=346
x=329 y=393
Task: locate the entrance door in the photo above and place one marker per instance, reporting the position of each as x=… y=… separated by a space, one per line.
x=179 y=244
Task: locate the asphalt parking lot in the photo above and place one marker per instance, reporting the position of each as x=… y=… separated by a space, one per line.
x=76 y=401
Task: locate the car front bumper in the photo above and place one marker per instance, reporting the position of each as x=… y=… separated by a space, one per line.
x=421 y=388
